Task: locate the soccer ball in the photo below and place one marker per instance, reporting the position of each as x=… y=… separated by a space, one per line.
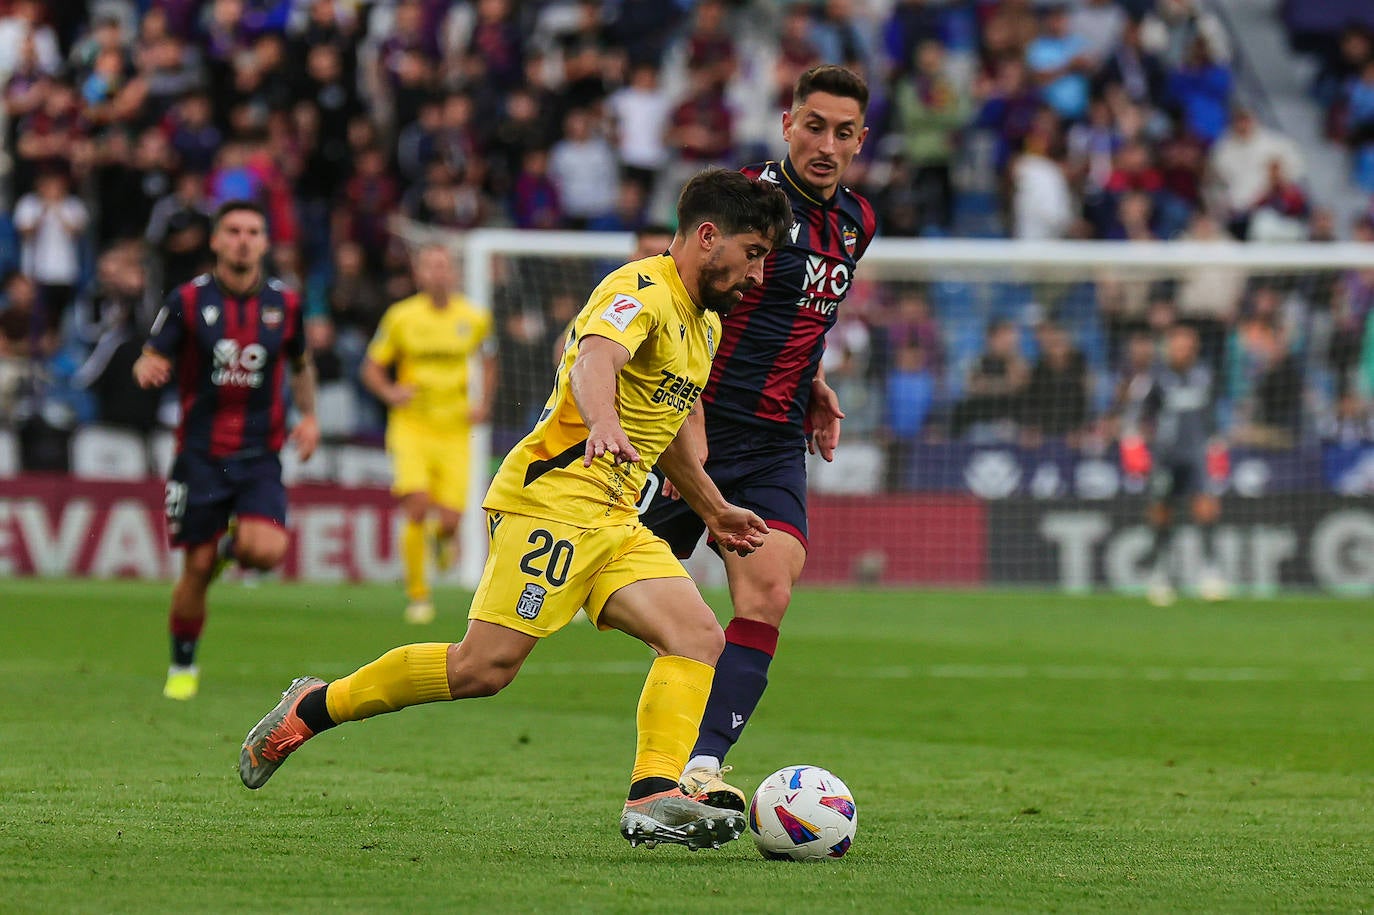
x=803 y=813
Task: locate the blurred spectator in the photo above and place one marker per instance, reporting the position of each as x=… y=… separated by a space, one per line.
x=640 y=112
x=929 y=110
x=710 y=45
x=368 y=199
x=1172 y=27
x=1100 y=24
x=1009 y=107
x=996 y=382
x=583 y=169
x=1208 y=295
x=497 y=41
x=1138 y=71
x=1138 y=361
x=536 y=204
x=1280 y=213
x=25 y=19
x=910 y=395
x=179 y=232
x=1056 y=398
x=911 y=323
x=1042 y=203
x=1240 y=164
x=114 y=310
x=797 y=53
x=50 y=221
x=1201 y=88
x=1265 y=385
x=1060 y=62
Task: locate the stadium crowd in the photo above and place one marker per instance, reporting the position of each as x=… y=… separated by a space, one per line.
x=128 y=121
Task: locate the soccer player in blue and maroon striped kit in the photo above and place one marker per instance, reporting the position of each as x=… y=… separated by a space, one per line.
x=767 y=402
x=229 y=336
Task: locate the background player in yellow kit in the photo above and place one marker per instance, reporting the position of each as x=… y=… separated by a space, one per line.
x=564 y=528
x=429 y=340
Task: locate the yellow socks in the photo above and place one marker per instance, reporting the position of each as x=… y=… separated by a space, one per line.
x=670 y=710
x=409 y=675
x=413 y=560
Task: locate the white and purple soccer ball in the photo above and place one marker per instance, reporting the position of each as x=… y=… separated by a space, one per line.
x=803 y=813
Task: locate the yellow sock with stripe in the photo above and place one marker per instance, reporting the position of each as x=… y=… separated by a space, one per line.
x=413 y=560
x=669 y=714
x=409 y=675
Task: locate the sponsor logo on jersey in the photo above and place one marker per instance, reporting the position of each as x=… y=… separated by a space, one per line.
x=677 y=391
x=238 y=368
x=622 y=311
x=531 y=600
x=826 y=283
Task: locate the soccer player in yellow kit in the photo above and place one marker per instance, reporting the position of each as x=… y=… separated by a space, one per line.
x=430 y=339
x=564 y=529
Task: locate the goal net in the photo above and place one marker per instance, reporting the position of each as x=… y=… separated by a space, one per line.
x=986 y=386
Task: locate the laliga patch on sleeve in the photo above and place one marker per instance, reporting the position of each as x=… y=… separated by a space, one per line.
x=622 y=310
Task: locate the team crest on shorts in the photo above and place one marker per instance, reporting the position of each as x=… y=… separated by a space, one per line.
x=531 y=600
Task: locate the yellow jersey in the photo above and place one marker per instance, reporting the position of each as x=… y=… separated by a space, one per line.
x=644 y=307
x=430 y=348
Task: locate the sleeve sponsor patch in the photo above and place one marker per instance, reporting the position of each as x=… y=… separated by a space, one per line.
x=622 y=310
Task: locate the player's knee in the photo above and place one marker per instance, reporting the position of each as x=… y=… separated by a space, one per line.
x=262 y=554
x=700 y=639
x=480 y=682
x=199 y=565
x=768 y=603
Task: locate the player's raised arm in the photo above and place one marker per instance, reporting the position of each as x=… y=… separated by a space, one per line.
x=593 y=383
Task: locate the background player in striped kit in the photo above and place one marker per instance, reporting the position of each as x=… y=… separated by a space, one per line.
x=230 y=333
x=767 y=402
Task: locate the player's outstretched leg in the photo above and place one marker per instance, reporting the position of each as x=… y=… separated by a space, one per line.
x=410 y=675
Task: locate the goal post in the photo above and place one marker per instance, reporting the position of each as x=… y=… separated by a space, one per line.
x=947 y=476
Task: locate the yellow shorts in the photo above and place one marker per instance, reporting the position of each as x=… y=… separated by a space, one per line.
x=539 y=573
x=430 y=462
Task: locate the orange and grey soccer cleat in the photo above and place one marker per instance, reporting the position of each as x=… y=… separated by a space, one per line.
x=279 y=734
x=673 y=818
x=707 y=786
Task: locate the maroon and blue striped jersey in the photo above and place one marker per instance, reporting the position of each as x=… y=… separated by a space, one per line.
x=231 y=356
x=772 y=341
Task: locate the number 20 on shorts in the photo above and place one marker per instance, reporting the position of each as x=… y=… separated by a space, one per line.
x=550 y=558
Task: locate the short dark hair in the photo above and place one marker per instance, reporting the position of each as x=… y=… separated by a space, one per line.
x=834 y=80
x=235 y=206
x=735 y=203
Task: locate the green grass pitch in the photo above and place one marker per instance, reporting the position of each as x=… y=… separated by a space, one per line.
x=1008 y=752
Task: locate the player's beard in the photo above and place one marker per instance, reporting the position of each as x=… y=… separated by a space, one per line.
x=716 y=297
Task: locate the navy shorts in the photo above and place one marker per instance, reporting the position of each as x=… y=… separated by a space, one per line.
x=1177 y=480
x=202 y=492
x=754 y=468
